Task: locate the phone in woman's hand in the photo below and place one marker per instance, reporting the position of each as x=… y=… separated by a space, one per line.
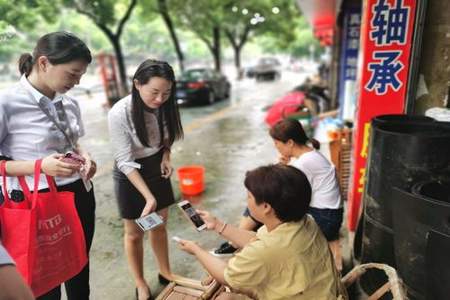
x=149 y=221
x=73 y=158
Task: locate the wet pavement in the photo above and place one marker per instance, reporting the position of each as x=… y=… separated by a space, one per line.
x=227 y=138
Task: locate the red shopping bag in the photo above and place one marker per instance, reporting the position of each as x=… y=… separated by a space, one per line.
x=43 y=234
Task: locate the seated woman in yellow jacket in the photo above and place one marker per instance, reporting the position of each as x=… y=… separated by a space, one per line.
x=288 y=258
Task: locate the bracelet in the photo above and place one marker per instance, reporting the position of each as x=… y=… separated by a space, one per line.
x=223 y=228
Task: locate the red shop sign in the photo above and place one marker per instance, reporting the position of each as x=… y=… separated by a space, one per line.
x=386 y=38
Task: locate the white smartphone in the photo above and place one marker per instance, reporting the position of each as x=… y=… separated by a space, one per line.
x=149 y=222
x=192 y=215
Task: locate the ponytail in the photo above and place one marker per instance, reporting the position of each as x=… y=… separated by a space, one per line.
x=289 y=129
x=25 y=64
x=59 y=48
x=315 y=143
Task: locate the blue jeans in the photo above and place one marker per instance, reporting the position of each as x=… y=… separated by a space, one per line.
x=246 y=213
x=329 y=221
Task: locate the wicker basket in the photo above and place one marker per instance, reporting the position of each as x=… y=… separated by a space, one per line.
x=208 y=289
x=393 y=285
x=189 y=289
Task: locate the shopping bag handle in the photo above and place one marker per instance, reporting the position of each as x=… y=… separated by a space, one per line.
x=3 y=174
x=23 y=184
x=5 y=189
x=37 y=176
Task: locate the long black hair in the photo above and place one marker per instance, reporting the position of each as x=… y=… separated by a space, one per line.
x=289 y=129
x=59 y=47
x=169 y=113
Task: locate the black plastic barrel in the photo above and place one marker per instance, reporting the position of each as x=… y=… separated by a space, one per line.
x=391 y=120
x=425 y=209
x=403 y=151
x=437 y=263
x=383 y=119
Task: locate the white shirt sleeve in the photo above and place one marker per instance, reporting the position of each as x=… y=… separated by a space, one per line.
x=3 y=126
x=121 y=142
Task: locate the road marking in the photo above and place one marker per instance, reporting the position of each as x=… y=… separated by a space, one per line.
x=198 y=123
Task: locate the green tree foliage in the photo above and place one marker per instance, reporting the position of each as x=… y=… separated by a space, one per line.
x=298 y=45
x=201 y=26
x=160 y=7
x=238 y=21
x=147 y=39
x=11 y=45
x=110 y=16
x=18 y=20
x=24 y=14
x=143 y=37
x=204 y=18
x=244 y=20
x=84 y=28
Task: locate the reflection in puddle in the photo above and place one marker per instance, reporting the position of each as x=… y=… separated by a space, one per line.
x=194 y=200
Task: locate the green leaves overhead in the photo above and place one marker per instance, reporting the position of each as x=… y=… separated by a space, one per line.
x=100 y=11
x=24 y=14
x=273 y=25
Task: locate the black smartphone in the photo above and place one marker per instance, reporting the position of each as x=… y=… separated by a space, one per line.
x=192 y=215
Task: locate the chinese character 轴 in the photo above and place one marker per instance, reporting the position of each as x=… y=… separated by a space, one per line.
x=397 y=24
x=390 y=24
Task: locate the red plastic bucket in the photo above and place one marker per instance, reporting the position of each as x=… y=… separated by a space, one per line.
x=191 y=179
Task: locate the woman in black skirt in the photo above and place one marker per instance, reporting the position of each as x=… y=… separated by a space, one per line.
x=143 y=127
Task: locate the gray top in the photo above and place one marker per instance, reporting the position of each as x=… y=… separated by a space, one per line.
x=126 y=144
x=27 y=133
x=5 y=259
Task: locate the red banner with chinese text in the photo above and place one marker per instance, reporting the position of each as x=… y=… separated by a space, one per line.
x=386 y=40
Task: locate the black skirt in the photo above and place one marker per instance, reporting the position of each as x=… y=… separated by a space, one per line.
x=130 y=200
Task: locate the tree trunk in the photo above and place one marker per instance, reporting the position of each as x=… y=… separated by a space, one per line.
x=216 y=48
x=121 y=65
x=162 y=4
x=237 y=61
x=114 y=38
x=237 y=47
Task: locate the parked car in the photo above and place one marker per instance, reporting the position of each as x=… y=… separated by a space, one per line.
x=202 y=86
x=267 y=68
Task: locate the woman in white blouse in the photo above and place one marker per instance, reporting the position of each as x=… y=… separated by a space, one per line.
x=37 y=120
x=143 y=126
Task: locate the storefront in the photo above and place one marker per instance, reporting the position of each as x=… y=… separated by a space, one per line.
x=389 y=57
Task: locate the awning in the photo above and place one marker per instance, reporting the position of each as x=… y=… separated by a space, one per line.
x=321 y=15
